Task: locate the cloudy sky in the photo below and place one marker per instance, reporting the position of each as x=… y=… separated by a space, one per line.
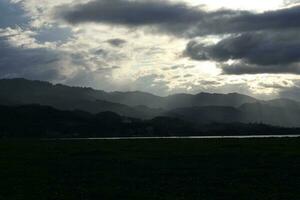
x=158 y=46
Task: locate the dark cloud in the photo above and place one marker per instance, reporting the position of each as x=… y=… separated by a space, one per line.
x=178 y=18
x=253 y=48
x=197 y=50
x=116 y=42
x=49 y=64
x=32 y=63
x=244 y=68
x=259 y=43
x=282 y=19
x=132 y=13
x=166 y=16
x=253 y=53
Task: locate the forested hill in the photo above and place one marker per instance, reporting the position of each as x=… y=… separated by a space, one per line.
x=35 y=121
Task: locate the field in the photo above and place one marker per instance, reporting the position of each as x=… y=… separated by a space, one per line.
x=247 y=169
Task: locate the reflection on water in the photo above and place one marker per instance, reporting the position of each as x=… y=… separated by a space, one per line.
x=189 y=137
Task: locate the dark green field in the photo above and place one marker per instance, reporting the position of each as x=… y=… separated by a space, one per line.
x=255 y=169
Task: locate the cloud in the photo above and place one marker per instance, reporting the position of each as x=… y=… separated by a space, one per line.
x=20 y=56
x=243 y=21
x=33 y=63
x=278 y=86
x=124 y=40
x=116 y=42
x=131 y=13
x=38 y=62
x=252 y=53
x=175 y=67
x=165 y=16
x=291 y=2
x=244 y=68
x=254 y=48
x=255 y=43
x=209 y=82
x=188 y=76
x=178 y=18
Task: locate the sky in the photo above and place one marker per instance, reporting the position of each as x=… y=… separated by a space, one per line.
x=157 y=46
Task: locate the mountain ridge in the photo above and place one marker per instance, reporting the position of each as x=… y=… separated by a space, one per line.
x=36 y=121
x=120 y=97
x=199 y=108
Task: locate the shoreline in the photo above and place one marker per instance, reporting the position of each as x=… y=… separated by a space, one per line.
x=184 y=137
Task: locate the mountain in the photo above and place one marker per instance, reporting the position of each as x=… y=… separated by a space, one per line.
x=132 y=98
x=202 y=108
x=23 y=92
x=44 y=122
x=35 y=121
x=280 y=112
x=276 y=112
x=208 y=114
x=132 y=104
x=207 y=99
x=174 y=101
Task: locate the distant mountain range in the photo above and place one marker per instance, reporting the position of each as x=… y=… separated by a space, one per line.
x=199 y=109
x=35 y=121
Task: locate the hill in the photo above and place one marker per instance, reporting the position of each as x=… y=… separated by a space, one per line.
x=202 y=108
x=35 y=121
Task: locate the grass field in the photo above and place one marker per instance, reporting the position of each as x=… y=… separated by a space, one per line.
x=256 y=169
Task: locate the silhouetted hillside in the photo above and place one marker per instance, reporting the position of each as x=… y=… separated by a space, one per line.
x=177 y=100
x=284 y=113
x=203 y=108
x=26 y=91
x=206 y=99
x=23 y=92
x=46 y=122
x=208 y=114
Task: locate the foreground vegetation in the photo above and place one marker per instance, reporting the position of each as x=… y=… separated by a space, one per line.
x=150 y=169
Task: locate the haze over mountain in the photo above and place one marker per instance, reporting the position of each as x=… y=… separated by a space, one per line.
x=35 y=121
x=43 y=92
x=203 y=108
